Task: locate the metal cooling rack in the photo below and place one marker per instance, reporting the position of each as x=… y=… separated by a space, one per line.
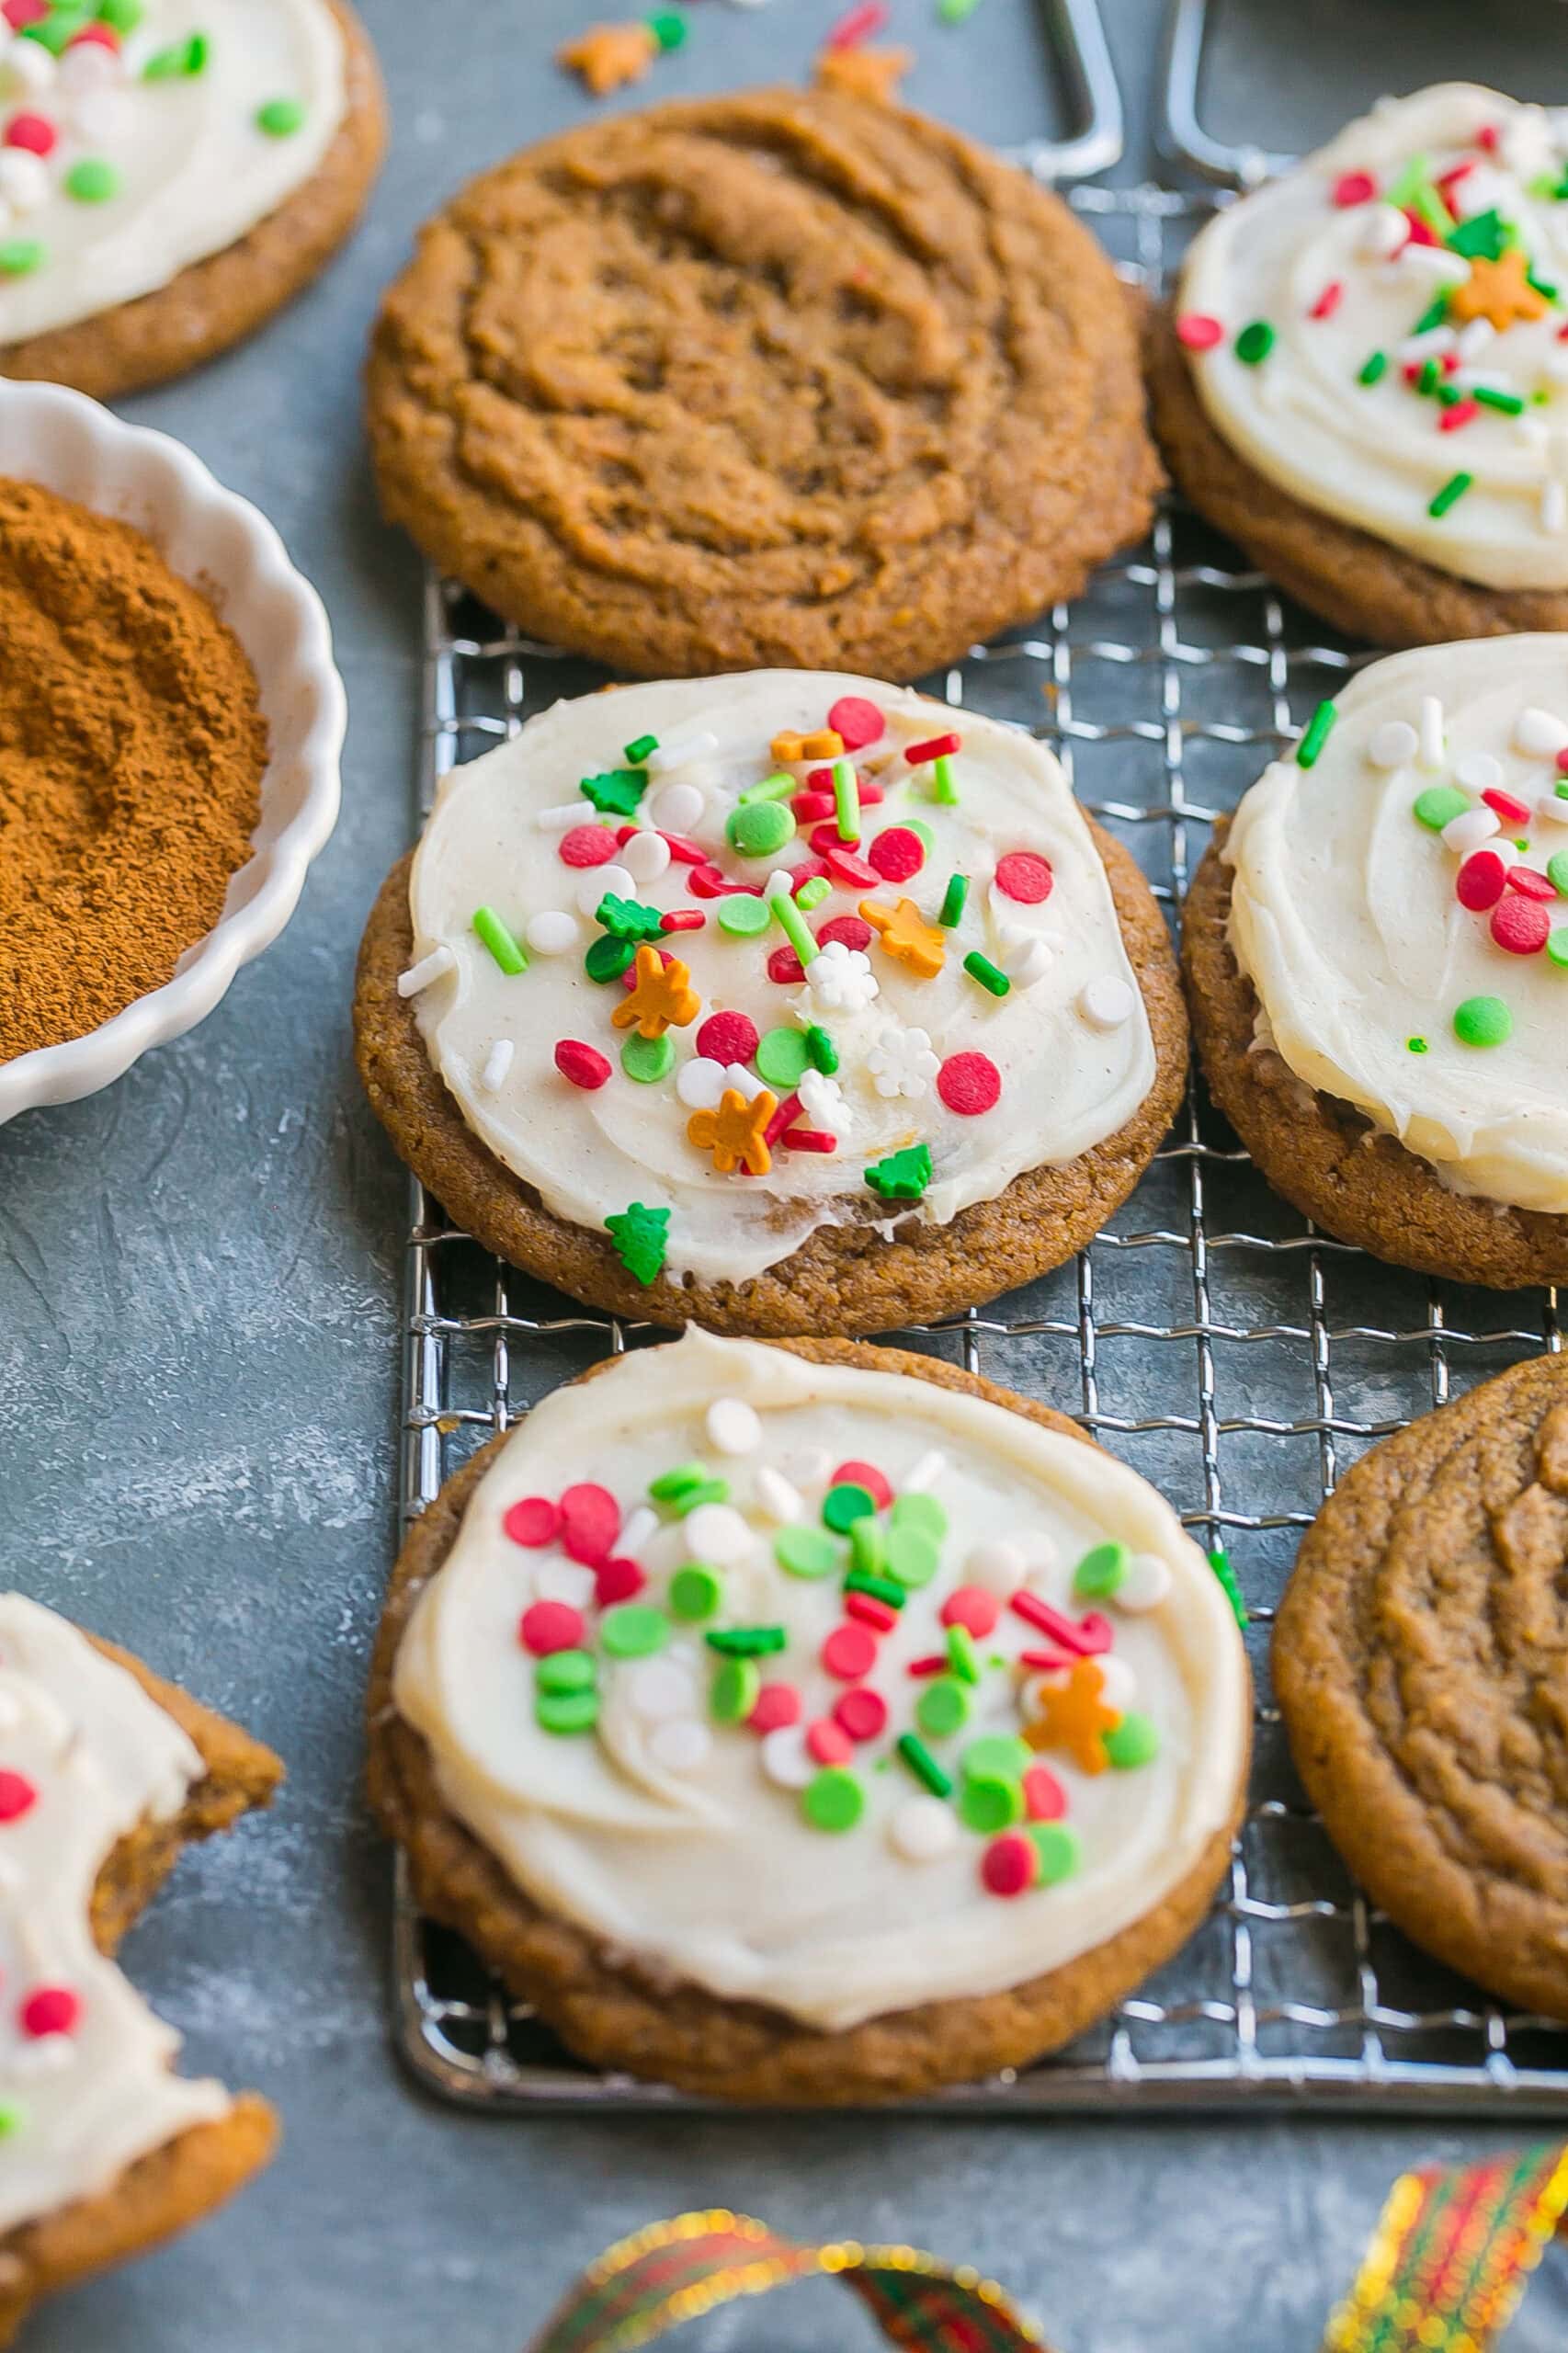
x=1213 y=1339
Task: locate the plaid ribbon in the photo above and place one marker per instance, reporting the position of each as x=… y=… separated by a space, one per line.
x=1444 y=2274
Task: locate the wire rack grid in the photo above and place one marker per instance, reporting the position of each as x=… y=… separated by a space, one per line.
x=1231 y=1354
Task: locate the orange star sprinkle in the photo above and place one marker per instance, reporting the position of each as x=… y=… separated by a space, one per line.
x=736 y=1133
x=907 y=936
x=607 y=56
x=861 y=73
x=1499 y=290
x=1074 y=1716
x=663 y=996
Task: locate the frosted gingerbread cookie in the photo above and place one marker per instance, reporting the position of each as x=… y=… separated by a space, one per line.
x=105 y=1773
x=1377 y=956
x=808 y=1722
x=1364 y=378
x=785 y=1002
x=171 y=173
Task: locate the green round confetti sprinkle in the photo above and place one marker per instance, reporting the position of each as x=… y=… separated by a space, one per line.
x=922 y=832
x=607 y=957
x=124 y=15
x=667 y=27
x=757 y=829
x=92 y=181
x=633 y=1630
x=921 y=1511
x=13 y=2116
x=566 y=1711
x=280 y=118
x=834 y=1799
x=988 y=1802
x=1557 y=872
x=694 y=1592
x=19 y=256
x=843 y=1505
x=998 y=1756
x=1134 y=1742
x=682 y=1480
x=1060 y=1850
x=1102 y=1571
x=1482 y=1021
x=910 y=1555
x=1557 y=946
x=566 y=1671
x=733 y=1693
x=648 y=1059
x=1440 y=805
x=783 y=1057
x=747 y=1642
x=805 y=1552
x=742 y=917
x=1254 y=342
x=943 y=1708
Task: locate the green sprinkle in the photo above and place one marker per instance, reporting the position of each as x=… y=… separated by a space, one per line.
x=922 y=832
x=1219 y=1562
x=732 y=1695
x=912 y=1555
x=1316 y=736
x=805 y=1552
x=1484 y=233
x=694 y=1592
x=746 y=1642
x=648 y=1060
x=943 y=1708
x=1254 y=342
x=903 y=1176
x=987 y=1803
x=1133 y=1743
x=1557 y=872
x=783 y=1057
x=824 y=1053
x=833 y=1800
x=780 y=786
x=1453 y=490
x=607 y=957
x=92 y=181
x=13 y=2116
x=1557 y=947
x=759 y=829
x=812 y=894
x=499 y=940
x=565 y=1671
x=1431 y=376
x=280 y=118
x=1103 y=1570
x=633 y=1630
x=923 y=1766
x=990 y=976
x=185 y=58
x=961 y=1656
x=1434 y=314
x=1509 y=403
x=1416 y=1046
x=627 y=918
x=742 y=917
x=1060 y=1850
x=706 y=1490
x=953 y=897
x=1543 y=286
x=922 y=1512
x=617 y=792
x=1372 y=367
x=19 y=256
x=635 y=754
x=844 y=1504
x=880 y=1588
x=943 y=789
x=1416 y=175
x=673 y=1487
x=53 y=31
x=1428 y=206
x=1449 y=396
x=123 y=15
x=568 y=1712
x=1440 y=805
x=667 y=27
x=640 y=1238
x=1482 y=1021
x=867 y=1546
x=846 y=801
x=997 y=1757
x=955 y=12
x=794 y=924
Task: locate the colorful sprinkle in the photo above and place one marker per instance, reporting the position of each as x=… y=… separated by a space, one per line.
x=953 y=899
x=970 y=1084
x=1453 y=490
x=640 y=1237
x=833 y=1800
x=1316 y=735
x=1195 y=331
x=1482 y=1021
x=1254 y=343
x=903 y=1176
x=694 y=1592
x=732 y=1694
x=633 y=1630
x=497 y=938
x=923 y=1766
x=990 y=976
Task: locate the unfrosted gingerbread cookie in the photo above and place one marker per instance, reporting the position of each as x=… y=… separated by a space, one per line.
x=785 y=1002
x=171 y=172
x=105 y=1772
x=808 y=1723
x=1364 y=379
x=1376 y=949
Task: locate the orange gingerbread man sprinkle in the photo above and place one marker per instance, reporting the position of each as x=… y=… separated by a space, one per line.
x=907 y=936
x=862 y=72
x=1074 y=1716
x=1499 y=290
x=663 y=997
x=823 y=743
x=736 y=1134
x=607 y=56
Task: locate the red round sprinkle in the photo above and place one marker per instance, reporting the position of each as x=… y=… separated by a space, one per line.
x=586 y=846
x=1354 y=187
x=728 y=1038
x=1521 y=925
x=33 y=132
x=778 y=1704
x=682 y=919
x=535 y=1520
x=103 y=35
x=1512 y=812
x=851 y=929
x=785 y=967
x=1009 y=1864
x=849 y=1653
x=1529 y=884
x=845 y=866
x=866 y=1475
x=811 y=807
x=826 y=837
x=590 y=1522
x=1562 y=755
x=617 y=1580
x=862 y=1714
x=808 y=869
x=582 y=1064
x=827 y=1744
x=1045 y=1800
x=856 y=721
x=20 y=13
x=52 y=2009
x=970 y=1084
x=1024 y=875
x=17 y=1796
x=873 y=1612
x=1197 y=330
x=547 y=1626
x=708 y=882
x=972 y=1607
x=896 y=854
x=1486 y=139
x=1479 y=881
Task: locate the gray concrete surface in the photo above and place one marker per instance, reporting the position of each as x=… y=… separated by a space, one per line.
x=198 y=1296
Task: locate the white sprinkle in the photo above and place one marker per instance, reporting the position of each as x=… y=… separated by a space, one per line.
x=1466 y=833
x=680 y=754
x=497 y=1063
x=1435 y=262
x=785 y=1759
x=998 y=1566
x=1538 y=734
x=646 y=856
x=923 y=1830
x=563 y=816
x=1501 y=846
x=745 y=1082
x=925 y=1473
x=1144 y=1586
x=732 y=1427
x=1425 y=346
x=1384 y=232
x=699 y=1083
x=776 y=1497
x=600 y=879
x=681 y=1746
x=641 y=1525
x=433 y=967
x=564 y=1581
x=88 y=65
x=810 y=1466
x=1552 y=805
x=1106 y=1002
x=1431 y=731
x=677 y=808
x=1027 y=966
x=1473 y=337
x=553 y=932
x=660 y=1690
x=1119 y=1683
x=24 y=178
x=1531 y=431
x=1554 y=507
x=717 y=1534
x=779 y=883
x=1394 y=744
x=1478 y=772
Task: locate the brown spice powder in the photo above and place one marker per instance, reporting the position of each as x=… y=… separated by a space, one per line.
x=131 y=752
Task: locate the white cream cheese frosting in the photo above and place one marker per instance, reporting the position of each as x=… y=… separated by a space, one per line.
x=1408 y=954
x=85 y=2086
x=1380 y=332
x=990 y=1083
x=132 y=154
x=681 y=1811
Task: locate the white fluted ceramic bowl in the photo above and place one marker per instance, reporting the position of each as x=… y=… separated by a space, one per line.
x=229 y=549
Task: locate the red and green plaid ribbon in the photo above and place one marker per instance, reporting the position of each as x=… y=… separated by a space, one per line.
x=1444 y=2274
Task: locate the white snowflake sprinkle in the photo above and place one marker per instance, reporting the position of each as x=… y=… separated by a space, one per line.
x=902 y=1063
x=841 y=979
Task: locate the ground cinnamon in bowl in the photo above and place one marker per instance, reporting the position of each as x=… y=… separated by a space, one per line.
x=132 y=749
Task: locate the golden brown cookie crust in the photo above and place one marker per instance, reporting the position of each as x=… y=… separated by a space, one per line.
x=783 y=379
x=219 y=300
x=189 y=2175
x=1359 y=583
x=1420 y=1659
x=844 y=1279
x=1359 y=1185
x=611 y=2017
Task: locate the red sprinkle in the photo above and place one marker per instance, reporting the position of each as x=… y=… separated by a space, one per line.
x=808 y=1140
x=828 y=838
x=970 y=1084
x=590 y=1522
x=849 y=1653
x=548 y=1626
x=18 y=13
x=778 y=1705
x=935 y=1662
x=856 y=721
x=809 y=871
x=1009 y=1864
x=17 y=1796
x=827 y=1744
x=1354 y=187
x=103 y=36
x=685 y=853
x=629 y=978
x=33 y=132
x=586 y=846
x=1086 y=1640
x=1521 y=925
x=1045 y=1662
x=1462 y=412
x=1480 y=879
x=866 y=1475
x=862 y=1714
x=1197 y=332
x=1562 y=755
x=1024 y=875
x=683 y=919
x=972 y=1607
x=1529 y=884
x=785 y=967
x=785 y=1111
x=858 y=23
x=873 y=1612
x=728 y=1038
x=1045 y=1800
x=1328 y=301
x=533 y=1521
x=707 y=881
x=896 y=854
x=582 y=1064
x=853 y=930
x=1512 y=812
x=811 y=807
x=935 y=747
x=1420 y=235
x=845 y=866
x=1452 y=176
x=1486 y=139
x=617 y=1580
x=52 y=2009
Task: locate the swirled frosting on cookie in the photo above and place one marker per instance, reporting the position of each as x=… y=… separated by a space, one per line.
x=1399 y=908
x=761 y=954
x=142 y=135
x=1381 y=332
x=85 y=2086
x=823 y=1687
